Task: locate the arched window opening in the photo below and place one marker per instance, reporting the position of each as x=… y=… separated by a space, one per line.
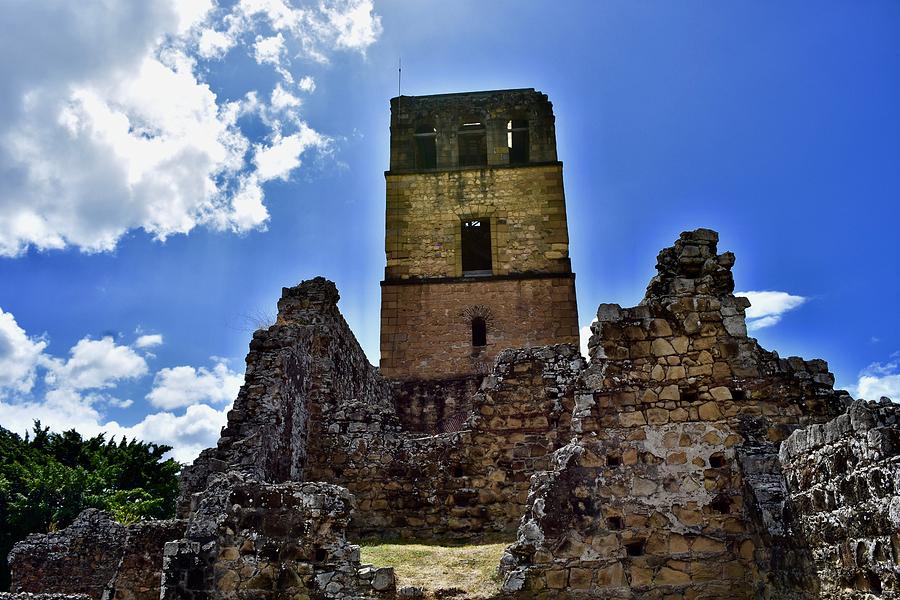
x=476 y=248
x=426 y=147
x=479 y=332
x=517 y=141
x=472 y=145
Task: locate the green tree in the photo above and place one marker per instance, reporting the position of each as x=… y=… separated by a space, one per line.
x=47 y=479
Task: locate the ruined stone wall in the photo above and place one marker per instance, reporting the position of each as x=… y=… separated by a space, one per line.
x=252 y=540
x=445 y=113
x=844 y=483
x=435 y=406
x=454 y=485
x=139 y=572
x=308 y=360
x=81 y=559
x=427 y=327
x=651 y=499
x=95 y=556
x=526 y=207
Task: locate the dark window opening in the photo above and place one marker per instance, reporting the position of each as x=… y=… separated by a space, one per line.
x=472 y=144
x=614 y=523
x=476 y=247
x=721 y=504
x=613 y=460
x=479 y=332
x=634 y=548
x=517 y=141
x=426 y=147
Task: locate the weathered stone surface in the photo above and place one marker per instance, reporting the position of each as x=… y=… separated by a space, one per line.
x=843 y=483
x=676 y=426
x=248 y=539
x=95 y=556
x=709 y=468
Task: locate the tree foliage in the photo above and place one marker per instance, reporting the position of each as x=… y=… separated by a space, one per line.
x=47 y=479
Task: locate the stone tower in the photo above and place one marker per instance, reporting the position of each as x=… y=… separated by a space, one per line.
x=476 y=236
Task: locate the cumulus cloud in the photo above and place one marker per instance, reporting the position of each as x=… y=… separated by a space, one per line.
x=149 y=340
x=19 y=355
x=880 y=379
x=107 y=124
x=767 y=307
x=79 y=387
x=95 y=364
x=186 y=385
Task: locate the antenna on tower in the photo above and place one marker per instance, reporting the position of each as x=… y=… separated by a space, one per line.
x=399 y=73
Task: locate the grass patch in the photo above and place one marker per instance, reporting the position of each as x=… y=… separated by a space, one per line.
x=470 y=568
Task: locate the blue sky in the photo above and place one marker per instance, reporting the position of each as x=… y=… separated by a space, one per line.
x=166 y=168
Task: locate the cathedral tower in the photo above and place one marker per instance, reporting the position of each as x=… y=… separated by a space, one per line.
x=476 y=237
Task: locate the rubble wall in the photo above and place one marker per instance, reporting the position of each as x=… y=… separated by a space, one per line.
x=252 y=540
x=80 y=559
x=307 y=366
x=650 y=498
x=454 y=485
x=843 y=479
x=95 y=556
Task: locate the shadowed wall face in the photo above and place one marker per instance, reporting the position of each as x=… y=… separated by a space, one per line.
x=476 y=234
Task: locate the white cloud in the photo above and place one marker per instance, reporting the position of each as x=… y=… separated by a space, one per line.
x=149 y=340
x=277 y=160
x=767 y=307
x=880 y=379
x=188 y=434
x=307 y=84
x=79 y=387
x=19 y=355
x=95 y=364
x=283 y=99
x=356 y=26
x=106 y=123
x=584 y=338
x=183 y=386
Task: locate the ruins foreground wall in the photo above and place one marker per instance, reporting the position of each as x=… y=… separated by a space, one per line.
x=681 y=461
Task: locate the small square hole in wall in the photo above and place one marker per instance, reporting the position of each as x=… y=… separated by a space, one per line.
x=634 y=548
x=614 y=523
x=721 y=504
x=739 y=394
x=717 y=460
x=613 y=460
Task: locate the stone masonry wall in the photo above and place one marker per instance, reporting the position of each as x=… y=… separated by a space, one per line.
x=650 y=499
x=307 y=360
x=80 y=559
x=95 y=556
x=427 y=331
x=454 y=485
x=252 y=540
x=526 y=207
x=844 y=483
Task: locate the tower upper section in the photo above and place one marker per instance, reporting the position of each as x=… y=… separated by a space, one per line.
x=475 y=188
x=471 y=130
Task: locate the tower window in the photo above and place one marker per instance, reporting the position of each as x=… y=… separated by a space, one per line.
x=479 y=332
x=472 y=145
x=517 y=141
x=426 y=147
x=476 y=247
